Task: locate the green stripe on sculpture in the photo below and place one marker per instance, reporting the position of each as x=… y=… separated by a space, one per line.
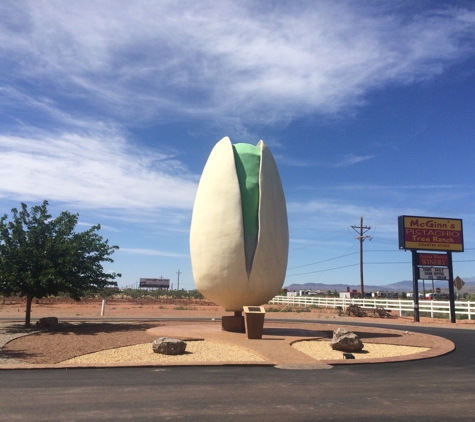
x=217 y=246
x=247 y=158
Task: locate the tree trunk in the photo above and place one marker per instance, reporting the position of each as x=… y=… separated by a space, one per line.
x=29 y=299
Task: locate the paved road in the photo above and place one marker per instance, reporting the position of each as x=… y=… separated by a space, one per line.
x=440 y=389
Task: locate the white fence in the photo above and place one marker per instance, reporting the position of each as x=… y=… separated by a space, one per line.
x=426 y=307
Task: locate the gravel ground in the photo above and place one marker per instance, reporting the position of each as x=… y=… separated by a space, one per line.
x=103 y=343
x=321 y=350
x=210 y=351
x=9 y=332
x=196 y=351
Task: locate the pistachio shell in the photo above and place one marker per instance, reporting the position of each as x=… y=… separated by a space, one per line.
x=217 y=236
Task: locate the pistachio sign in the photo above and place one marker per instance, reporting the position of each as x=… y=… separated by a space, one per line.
x=427 y=233
x=431 y=234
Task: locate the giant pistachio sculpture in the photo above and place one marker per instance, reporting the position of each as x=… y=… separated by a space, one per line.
x=239 y=234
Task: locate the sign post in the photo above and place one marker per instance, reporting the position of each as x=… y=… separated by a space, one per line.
x=451 y=289
x=431 y=234
x=415 y=286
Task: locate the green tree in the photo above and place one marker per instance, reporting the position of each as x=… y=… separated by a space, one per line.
x=41 y=256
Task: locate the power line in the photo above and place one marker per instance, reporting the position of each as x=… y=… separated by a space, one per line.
x=367 y=263
x=321 y=271
x=387 y=263
x=354 y=253
x=325 y=260
x=383 y=250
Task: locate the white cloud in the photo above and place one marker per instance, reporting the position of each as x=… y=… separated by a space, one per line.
x=92 y=170
x=224 y=60
x=398 y=187
x=293 y=162
x=321 y=213
x=151 y=252
x=351 y=159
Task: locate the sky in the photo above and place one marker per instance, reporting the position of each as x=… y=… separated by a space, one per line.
x=110 y=109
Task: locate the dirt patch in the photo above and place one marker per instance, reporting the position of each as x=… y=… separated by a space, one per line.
x=115 y=308
x=181 y=308
x=66 y=309
x=71 y=340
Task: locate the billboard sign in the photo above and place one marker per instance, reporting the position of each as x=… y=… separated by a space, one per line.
x=162 y=283
x=433 y=259
x=430 y=233
x=431 y=273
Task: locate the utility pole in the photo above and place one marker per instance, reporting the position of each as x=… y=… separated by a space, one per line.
x=361 y=230
x=178 y=272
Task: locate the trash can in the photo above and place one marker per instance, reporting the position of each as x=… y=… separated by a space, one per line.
x=254 y=321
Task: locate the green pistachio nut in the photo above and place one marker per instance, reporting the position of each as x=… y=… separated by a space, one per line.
x=239 y=232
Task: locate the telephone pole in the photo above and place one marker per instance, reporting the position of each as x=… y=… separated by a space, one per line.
x=361 y=230
x=178 y=272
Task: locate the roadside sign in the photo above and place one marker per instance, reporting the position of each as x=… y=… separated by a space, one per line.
x=433 y=259
x=459 y=283
x=431 y=273
x=430 y=233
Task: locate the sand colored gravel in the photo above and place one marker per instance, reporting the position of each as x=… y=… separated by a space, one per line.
x=196 y=351
x=321 y=350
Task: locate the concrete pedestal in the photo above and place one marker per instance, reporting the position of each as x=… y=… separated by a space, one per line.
x=254 y=321
x=235 y=323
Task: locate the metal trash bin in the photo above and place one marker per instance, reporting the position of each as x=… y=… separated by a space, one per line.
x=254 y=321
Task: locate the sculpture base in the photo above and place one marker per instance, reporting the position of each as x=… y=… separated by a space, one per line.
x=235 y=324
x=254 y=323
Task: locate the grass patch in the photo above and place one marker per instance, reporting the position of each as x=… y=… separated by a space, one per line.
x=306 y=309
x=287 y=309
x=184 y=308
x=296 y=309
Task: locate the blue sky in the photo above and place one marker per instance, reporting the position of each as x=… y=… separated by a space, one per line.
x=110 y=109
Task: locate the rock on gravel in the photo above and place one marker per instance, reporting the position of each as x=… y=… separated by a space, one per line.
x=346 y=341
x=169 y=346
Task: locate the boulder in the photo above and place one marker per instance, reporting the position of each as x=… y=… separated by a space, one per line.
x=346 y=341
x=169 y=346
x=47 y=322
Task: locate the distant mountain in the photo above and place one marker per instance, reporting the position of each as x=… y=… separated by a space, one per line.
x=401 y=286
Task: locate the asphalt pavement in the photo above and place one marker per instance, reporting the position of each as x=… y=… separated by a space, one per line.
x=438 y=389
